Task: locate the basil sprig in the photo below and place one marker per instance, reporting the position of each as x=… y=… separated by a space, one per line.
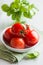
x=19 y=8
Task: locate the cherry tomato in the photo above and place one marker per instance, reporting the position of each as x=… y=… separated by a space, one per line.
x=31 y=38
x=17 y=43
x=8 y=35
x=18 y=29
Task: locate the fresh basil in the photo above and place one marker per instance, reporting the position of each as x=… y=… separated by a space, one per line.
x=19 y=8
x=33 y=55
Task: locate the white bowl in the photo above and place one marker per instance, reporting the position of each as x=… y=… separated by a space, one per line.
x=13 y=49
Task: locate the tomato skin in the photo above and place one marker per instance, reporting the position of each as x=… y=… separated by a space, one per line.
x=31 y=38
x=18 y=29
x=7 y=35
x=17 y=43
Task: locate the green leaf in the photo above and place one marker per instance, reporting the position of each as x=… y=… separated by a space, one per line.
x=12 y=5
x=23 y=9
x=5 y=8
x=13 y=16
x=16 y=16
x=11 y=11
x=27 y=14
x=33 y=55
x=17 y=1
x=15 y=5
x=25 y=2
x=31 y=6
x=8 y=13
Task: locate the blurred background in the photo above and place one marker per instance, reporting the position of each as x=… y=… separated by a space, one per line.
x=36 y=21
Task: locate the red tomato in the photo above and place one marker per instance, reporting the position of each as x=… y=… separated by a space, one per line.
x=8 y=35
x=18 y=29
x=17 y=43
x=31 y=38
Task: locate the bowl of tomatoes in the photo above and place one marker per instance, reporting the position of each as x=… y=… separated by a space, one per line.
x=19 y=37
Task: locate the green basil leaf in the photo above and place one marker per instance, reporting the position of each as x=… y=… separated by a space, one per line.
x=18 y=15
x=19 y=8
x=25 y=2
x=23 y=9
x=27 y=14
x=5 y=8
x=13 y=16
x=11 y=11
x=33 y=55
x=8 y=13
x=31 y=6
x=14 y=5
x=17 y=1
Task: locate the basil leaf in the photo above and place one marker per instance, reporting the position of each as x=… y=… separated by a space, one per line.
x=14 y=5
x=5 y=8
x=23 y=9
x=30 y=7
x=17 y=1
x=25 y=2
x=33 y=55
x=11 y=11
x=27 y=14
x=13 y=16
x=8 y=13
x=18 y=15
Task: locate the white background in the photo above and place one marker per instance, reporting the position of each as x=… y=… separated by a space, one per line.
x=36 y=21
